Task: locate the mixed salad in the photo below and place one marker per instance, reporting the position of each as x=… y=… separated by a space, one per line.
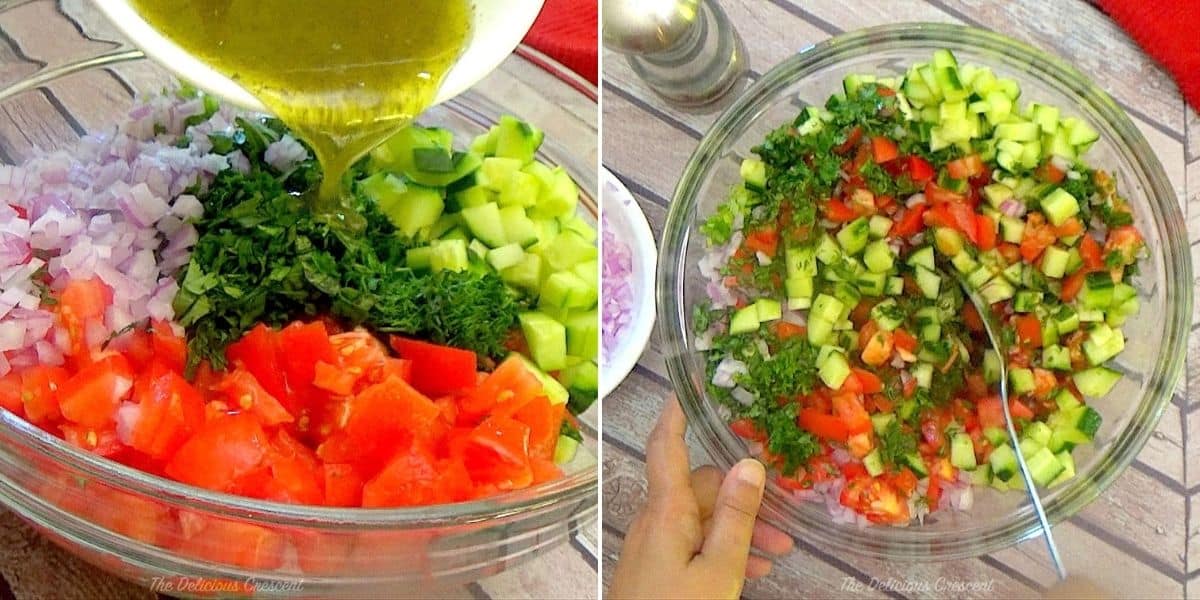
x=837 y=333
x=170 y=301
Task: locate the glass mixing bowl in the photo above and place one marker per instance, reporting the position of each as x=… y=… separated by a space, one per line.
x=1152 y=359
x=151 y=530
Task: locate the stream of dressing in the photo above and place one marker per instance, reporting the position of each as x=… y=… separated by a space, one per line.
x=343 y=74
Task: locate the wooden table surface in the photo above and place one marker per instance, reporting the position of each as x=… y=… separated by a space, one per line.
x=36 y=33
x=1139 y=539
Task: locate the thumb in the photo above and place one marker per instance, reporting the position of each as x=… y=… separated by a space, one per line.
x=728 y=543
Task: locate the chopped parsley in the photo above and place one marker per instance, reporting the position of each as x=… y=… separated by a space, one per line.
x=895 y=444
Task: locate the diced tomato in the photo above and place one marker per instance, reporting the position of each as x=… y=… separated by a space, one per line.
x=169 y=348
x=878 y=349
x=919 y=169
x=991 y=413
x=824 y=426
x=939 y=195
x=497 y=453
x=1089 y=251
x=971 y=318
x=1049 y=173
x=511 y=379
x=1029 y=330
x=1037 y=237
x=1072 y=284
x=838 y=212
x=226 y=449
x=1125 y=240
x=904 y=340
x=437 y=370
x=904 y=481
x=137 y=346
x=101 y=441
x=870 y=382
x=785 y=330
x=1010 y=252
x=544 y=421
x=10 y=394
x=379 y=420
x=225 y=541
x=245 y=393
x=852 y=139
x=977 y=387
x=336 y=380
x=909 y=222
x=852 y=470
x=884 y=149
x=302 y=346
x=1070 y=228
x=84 y=299
x=746 y=429
x=343 y=485
x=933 y=493
x=966 y=167
x=39 y=393
x=1019 y=410
x=91 y=396
x=764 y=239
x=166 y=411
x=258 y=352
x=985 y=232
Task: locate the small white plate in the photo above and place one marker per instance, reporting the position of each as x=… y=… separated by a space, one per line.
x=623 y=216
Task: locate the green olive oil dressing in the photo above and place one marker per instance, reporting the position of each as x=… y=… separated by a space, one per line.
x=343 y=74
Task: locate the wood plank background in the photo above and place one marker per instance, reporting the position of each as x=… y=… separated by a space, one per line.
x=1139 y=540
x=47 y=32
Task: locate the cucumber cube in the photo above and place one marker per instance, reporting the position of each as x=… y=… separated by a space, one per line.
x=833 y=368
x=583 y=334
x=878 y=257
x=1021 y=381
x=495 y=172
x=879 y=226
x=1059 y=205
x=547 y=339
x=854 y=236
x=449 y=255
x=1056 y=358
x=744 y=320
x=505 y=256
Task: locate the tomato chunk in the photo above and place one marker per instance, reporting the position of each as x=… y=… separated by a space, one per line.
x=91 y=396
x=437 y=370
x=225 y=449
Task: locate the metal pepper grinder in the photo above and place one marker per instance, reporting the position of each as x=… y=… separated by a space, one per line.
x=687 y=51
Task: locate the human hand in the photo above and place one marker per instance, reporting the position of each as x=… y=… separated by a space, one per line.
x=692 y=539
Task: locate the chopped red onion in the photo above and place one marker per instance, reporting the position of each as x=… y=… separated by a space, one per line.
x=915 y=200
x=1012 y=208
x=618 y=294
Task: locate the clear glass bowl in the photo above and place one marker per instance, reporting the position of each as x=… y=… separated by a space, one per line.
x=1153 y=358
x=143 y=527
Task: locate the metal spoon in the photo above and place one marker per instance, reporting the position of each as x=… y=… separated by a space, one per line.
x=993 y=332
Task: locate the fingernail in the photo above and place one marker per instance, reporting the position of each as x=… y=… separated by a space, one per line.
x=752 y=472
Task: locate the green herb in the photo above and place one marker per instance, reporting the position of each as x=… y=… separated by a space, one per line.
x=785 y=440
x=568 y=429
x=263 y=256
x=790 y=371
x=895 y=444
x=1114 y=259
x=1114 y=217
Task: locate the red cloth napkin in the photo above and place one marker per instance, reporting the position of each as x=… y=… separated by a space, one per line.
x=566 y=31
x=1169 y=30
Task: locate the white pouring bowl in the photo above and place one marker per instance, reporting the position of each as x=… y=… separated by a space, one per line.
x=497 y=28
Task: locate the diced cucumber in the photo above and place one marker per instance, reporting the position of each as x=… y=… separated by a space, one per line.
x=963 y=263
x=879 y=226
x=947 y=241
x=887 y=315
x=449 y=255
x=922 y=257
x=517 y=139
x=854 y=236
x=475 y=195
x=568 y=250
x=1038 y=432
x=565 y=450
x=982 y=475
x=997 y=290
x=485 y=224
x=800 y=261
x=744 y=320
x=1066 y=319
x=768 y=310
x=505 y=256
x=828 y=250
x=1059 y=205
x=1100 y=351
x=565 y=289
x=962 y=451
x=1054 y=262
x=583 y=334
x=1044 y=467
x=833 y=368
x=827 y=308
x=1081 y=134
x=479 y=249
x=917 y=464
x=979 y=277
x=526 y=275
x=799 y=291
x=518 y=228
x=547 y=339
x=873 y=463
x=1020 y=381
x=1012 y=229
x=1026 y=301
x=996 y=435
x=410 y=207
x=991 y=366
x=1096 y=381
x=928 y=282
x=495 y=172
x=878 y=256
x=1068 y=463
x=1017 y=132
x=754 y=174
x=881 y=421
x=1004 y=462
x=1056 y=358
x=559 y=198
x=871 y=284
x=923 y=374
x=895 y=286
x=419 y=259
